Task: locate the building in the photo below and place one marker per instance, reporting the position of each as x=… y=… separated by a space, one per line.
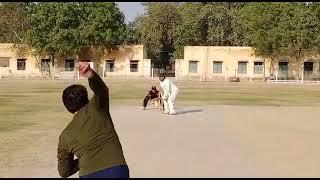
x=127 y=61
x=124 y=61
x=215 y=63
x=13 y=64
x=219 y=63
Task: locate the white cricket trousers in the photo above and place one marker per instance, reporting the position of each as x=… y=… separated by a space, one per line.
x=169 y=103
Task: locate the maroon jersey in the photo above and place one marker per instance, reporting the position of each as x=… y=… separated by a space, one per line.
x=154 y=94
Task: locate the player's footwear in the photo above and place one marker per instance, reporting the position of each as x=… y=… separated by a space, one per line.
x=173 y=113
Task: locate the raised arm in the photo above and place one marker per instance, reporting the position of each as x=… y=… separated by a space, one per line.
x=101 y=92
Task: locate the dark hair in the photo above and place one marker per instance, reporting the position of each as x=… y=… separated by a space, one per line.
x=75 y=97
x=153 y=88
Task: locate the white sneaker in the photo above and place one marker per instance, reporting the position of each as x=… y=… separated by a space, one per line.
x=173 y=113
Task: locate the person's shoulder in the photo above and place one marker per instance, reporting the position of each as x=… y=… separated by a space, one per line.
x=92 y=107
x=66 y=138
x=67 y=131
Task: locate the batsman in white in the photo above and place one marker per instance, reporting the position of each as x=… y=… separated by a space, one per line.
x=170 y=92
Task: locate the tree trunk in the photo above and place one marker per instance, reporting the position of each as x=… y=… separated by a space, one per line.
x=298 y=60
x=271 y=68
x=51 y=67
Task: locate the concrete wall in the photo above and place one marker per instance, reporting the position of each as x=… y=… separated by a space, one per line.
x=295 y=69
x=230 y=57
x=204 y=55
x=122 y=56
x=32 y=66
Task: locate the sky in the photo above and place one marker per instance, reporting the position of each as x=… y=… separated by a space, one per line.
x=131 y=10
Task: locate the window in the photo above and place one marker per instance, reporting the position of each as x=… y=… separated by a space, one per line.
x=109 y=65
x=283 y=67
x=308 y=66
x=217 y=66
x=258 y=68
x=242 y=67
x=4 y=62
x=45 y=64
x=308 y=69
x=69 y=65
x=193 y=66
x=21 y=64
x=134 y=66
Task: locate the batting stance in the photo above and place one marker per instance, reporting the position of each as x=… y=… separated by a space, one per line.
x=170 y=92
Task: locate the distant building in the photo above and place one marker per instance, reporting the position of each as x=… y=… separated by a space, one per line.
x=216 y=63
x=125 y=61
x=219 y=63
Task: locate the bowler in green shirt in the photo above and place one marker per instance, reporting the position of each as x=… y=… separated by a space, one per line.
x=90 y=135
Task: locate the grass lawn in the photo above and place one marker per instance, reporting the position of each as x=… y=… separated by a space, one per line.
x=21 y=99
x=32 y=116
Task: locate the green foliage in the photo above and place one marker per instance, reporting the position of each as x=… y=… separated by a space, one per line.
x=73 y=28
x=101 y=23
x=53 y=28
x=158 y=25
x=273 y=29
x=300 y=28
x=281 y=29
x=133 y=32
x=192 y=29
x=221 y=24
x=175 y=25
x=13 y=21
x=259 y=22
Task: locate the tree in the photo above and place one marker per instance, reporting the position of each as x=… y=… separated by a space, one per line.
x=301 y=28
x=315 y=8
x=13 y=21
x=222 y=23
x=133 y=33
x=192 y=29
x=281 y=29
x=72 y=28
x=208 y=24
x=157 y=27
x=101 y=26
x=220 y=19
x=260 y=24
x=52 y=29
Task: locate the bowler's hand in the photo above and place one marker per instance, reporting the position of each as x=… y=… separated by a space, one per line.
x=85 y=70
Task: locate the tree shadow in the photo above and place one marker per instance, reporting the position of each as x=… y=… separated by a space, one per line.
x=189 y=111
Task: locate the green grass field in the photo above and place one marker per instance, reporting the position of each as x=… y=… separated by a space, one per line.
x=266 y=116
x=21 y=99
